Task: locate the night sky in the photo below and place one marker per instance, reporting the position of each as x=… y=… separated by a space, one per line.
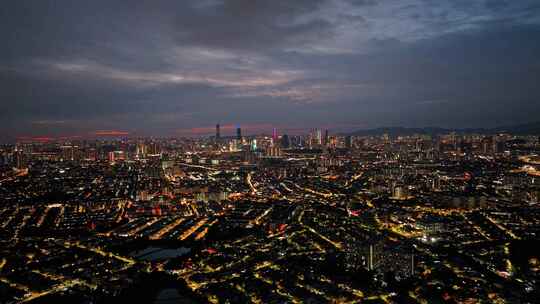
x=174 y=68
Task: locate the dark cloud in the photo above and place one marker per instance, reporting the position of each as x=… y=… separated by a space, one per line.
x=252 y=24
x=156 y=67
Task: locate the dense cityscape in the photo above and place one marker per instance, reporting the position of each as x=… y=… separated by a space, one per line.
x=276 y=218
x=270 y=151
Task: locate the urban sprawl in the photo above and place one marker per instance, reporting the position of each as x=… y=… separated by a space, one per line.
x=276 y=218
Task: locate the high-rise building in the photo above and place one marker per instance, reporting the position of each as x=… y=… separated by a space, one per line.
x=111 y=157
x=20 y=160
x=438 y=144
x=348 y=142
x=285 y=141
x=274 y=136
x=318 y=136
x=218 y=133
x=386 y=138
x=154 y=148
x=238 y=133
x=326 y=138
x=253 y=144
x=498 y=146
x=487 y=144
x=67 y=153
x=273 y=151
x=141 y=150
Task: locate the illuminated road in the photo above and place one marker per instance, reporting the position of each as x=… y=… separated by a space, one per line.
x=250 y=184
x=337 y=245
x=57 y=288
x=192 y=229
x=167 y=229
x=100 y=252
x=503 y=229
x=203 y=233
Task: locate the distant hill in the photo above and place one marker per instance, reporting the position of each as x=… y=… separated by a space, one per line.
x=522 y=129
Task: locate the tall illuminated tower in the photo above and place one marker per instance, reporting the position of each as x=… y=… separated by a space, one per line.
x=326 y=138
x=318 y=136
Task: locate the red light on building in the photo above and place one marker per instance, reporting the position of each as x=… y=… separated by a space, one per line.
x=111 y=157
x=211 y=250
x=156 y=211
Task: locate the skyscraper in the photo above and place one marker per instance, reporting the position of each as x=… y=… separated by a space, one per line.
x=326 y=138
x=285 y=141
x=20 y=160
x=318 y=136
x=218 y=133
x=348 y=142
x=141 y=150
x=238 y=133
x=254 y=145
x=111 y=157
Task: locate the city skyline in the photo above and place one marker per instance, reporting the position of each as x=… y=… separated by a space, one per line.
x=228 y=131
x=172 y=69
x=318 y=218
x=270 y=151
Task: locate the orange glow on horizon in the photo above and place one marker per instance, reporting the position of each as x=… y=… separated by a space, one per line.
x=35 y=138
x=110 y=133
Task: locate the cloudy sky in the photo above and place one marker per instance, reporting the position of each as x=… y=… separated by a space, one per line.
x=179 y=67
